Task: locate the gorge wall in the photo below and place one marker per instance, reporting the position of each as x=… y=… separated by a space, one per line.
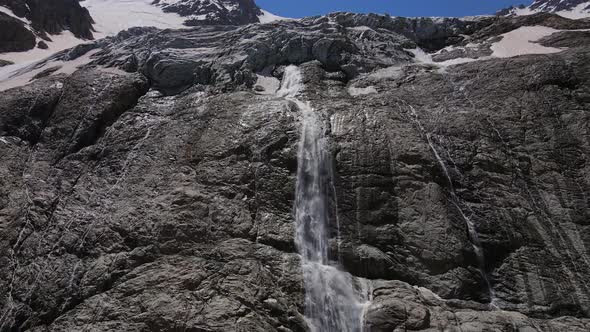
x=153 y=188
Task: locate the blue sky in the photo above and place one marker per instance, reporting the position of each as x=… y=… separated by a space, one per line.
x=300 y=8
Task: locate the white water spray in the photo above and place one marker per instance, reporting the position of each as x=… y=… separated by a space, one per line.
x=332 y=304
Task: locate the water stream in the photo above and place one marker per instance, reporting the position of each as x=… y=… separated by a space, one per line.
x=332 y=302
x=473 y=234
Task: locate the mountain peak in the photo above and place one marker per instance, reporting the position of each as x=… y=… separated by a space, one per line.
x=573 y=9
x=555 y=6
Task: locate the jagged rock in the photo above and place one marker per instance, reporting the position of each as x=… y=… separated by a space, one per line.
x=478 y=44
x=203 y=12
x=429 y=33
x=567 y=8
x=505 y=24
x=567 y=39
x=556 y=5
x=14 y=36
x=202 y=55
x=54 y=16
x=42 y=45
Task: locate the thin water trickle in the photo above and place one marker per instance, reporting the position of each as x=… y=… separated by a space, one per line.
x=473 y=235
x=332 y=302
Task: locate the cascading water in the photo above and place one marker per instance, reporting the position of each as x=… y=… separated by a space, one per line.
x=331 y=302
x=473 y=235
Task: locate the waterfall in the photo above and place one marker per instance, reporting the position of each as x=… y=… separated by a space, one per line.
x=332 y=302
x=473 y=235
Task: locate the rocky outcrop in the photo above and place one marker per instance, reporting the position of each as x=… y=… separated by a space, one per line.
x=39 y=19
x=568 y=8
x=14 y=36
x=558 y=5
x=204 y=12
x=153 y=189
x=53 y=16
x=429 y=33
x=203 y=56
x=479 y=43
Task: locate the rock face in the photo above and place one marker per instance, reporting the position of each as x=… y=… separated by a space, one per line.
x=53 y=16
x=153 y=188
x=14 y=36
x=41 y=18
x=201 y=12
x=569 y=8
x=559 y=5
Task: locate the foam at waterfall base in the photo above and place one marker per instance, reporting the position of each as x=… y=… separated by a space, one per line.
x=338 y=300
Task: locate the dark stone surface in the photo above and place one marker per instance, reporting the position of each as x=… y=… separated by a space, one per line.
x=53 y=16
x=152 y=190
x=557 y=5
x=14 y=36
x=505 y=24
x=567 y=39
x=46 y=17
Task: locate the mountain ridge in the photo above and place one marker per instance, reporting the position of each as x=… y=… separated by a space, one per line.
x=575 y=9
x=199 y=12
x=148 y=178
x=59 y=24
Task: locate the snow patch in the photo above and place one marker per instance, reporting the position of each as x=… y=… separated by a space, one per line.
x=456 y=61
x=578 y=12
x=113 y=16
x=361 y=91
x=423 y=57
x=12 y=75
x=70 y=67
x=11 y=14
x=268 y=17
x=522 y=41
x=517 y=42
x=270 y=84
x=23 y=74
x=60 y=42
x=524 y=11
